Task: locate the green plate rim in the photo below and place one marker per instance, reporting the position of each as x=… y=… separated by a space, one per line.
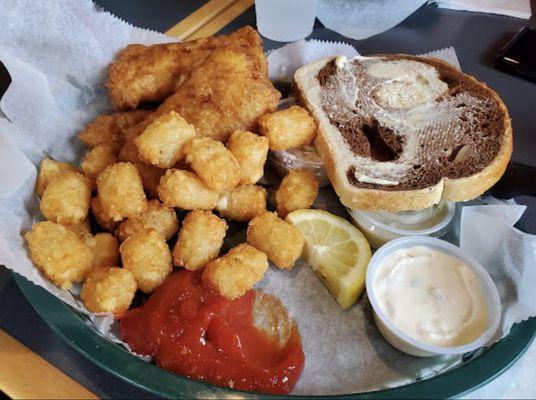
x=116 y=360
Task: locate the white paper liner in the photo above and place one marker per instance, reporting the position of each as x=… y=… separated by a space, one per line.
x=58 y=70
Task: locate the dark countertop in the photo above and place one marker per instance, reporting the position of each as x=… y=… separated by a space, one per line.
x=476 y=38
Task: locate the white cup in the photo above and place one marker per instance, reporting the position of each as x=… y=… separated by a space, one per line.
x=285 y=20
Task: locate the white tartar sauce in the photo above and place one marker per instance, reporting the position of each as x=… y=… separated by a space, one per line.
x=431 y=296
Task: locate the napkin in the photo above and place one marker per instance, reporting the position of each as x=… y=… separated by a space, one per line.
x=511 y=8
x=360 y=19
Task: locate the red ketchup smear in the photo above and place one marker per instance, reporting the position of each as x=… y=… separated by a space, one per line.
x=190 y=329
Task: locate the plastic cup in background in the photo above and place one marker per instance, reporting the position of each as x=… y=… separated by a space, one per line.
x=285 y=20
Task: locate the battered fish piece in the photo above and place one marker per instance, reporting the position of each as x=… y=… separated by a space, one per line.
x=108 y=289
x=282 y=242
x=213 y=163
x=147 y=256
x=184 y=189
x=292 y=127
x=163 y=141
x=229 y=91
x=251 y=151
x=152 y=73
x=121 y=191
x=236 y=272
x=200 y=240
x=159 y=217
x=49 y=170
x=104 y=248
x=66 y=198
x=59 y=253
x=243 y=203
x=97 y=160
x=298 y=190
x=110 y=128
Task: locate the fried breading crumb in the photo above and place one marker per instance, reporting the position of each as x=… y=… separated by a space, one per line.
x=285 y=129
x=59 y=253
x=233 y=274
x=282 y=242
x=298 y=190
x=200 y=239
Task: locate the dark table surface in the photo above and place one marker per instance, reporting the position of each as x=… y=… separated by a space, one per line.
x=476 y=38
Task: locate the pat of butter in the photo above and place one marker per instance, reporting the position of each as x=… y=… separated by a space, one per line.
x=375 y=181
x=340 y=61
x=431 y=296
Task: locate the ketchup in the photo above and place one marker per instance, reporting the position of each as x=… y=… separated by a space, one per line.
x=190 y=329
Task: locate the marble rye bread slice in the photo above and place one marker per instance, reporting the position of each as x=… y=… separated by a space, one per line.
x=400 y=132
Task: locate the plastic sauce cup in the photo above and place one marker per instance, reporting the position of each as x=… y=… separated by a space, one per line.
x=410 y=345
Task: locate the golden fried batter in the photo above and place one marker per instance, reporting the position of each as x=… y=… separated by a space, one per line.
x=229 y=91
x=59 y=253
x=200 y=240
x=233 y=274
x=151 y=73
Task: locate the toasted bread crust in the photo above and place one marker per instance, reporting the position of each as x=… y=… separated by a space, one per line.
x=459 y=189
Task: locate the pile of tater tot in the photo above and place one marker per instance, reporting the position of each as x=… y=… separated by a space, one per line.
x=140 y=205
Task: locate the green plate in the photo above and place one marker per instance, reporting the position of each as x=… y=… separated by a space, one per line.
x=73 y=327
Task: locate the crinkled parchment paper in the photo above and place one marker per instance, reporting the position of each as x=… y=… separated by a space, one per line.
x=57 y=53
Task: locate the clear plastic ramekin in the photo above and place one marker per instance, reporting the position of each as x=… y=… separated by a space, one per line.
x=410 y=345
x=382 y=227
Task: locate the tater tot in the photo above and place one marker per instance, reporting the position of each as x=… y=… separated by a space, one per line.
x=147 y=256
x=200 y=239
x=158 y=216
x=129 y=152
x=163 y=141
x=233 y=274
x=150 y=177
x=184 y=189
x=251 y=151
x=121 y=191
x=292 y=127
x=80 y=228
x=104 y=247
x=97 y=160
x=108 y=289
x=213 y=163
x=59 y=253
x=297 y=190
x=242 y=203
x=66 y=198
x=49 y=170
x=282 y=242
x=101 y=217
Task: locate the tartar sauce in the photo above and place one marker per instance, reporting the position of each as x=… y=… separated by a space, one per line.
x=431 y=296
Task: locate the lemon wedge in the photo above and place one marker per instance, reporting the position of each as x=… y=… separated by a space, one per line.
x=336 y=250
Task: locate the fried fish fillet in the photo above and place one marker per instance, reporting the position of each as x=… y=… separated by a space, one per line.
x=152 y=73
x=228 y=92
